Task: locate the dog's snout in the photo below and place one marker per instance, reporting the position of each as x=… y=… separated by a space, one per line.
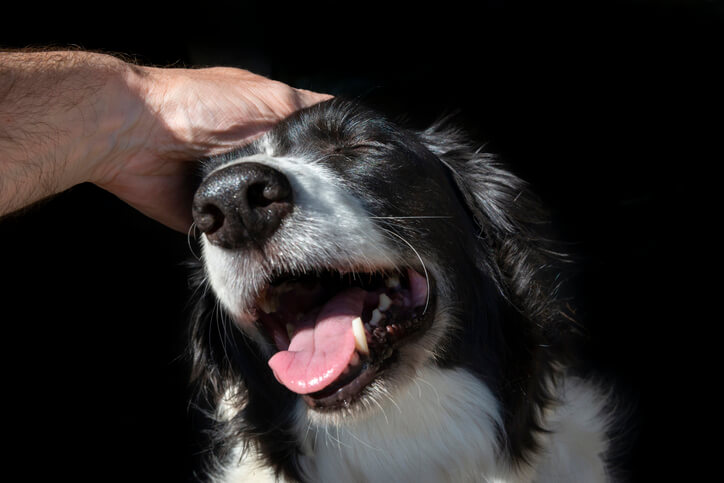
x=242 y=203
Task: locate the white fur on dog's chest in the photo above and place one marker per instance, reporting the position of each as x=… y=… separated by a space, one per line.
x=443 y=428
x=440 y=428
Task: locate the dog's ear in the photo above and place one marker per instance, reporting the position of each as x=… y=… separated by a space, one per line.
x=513 y=226
x=503 y=205
x=518 y=252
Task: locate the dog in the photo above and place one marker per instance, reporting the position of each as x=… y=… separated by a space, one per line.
x=379 y=303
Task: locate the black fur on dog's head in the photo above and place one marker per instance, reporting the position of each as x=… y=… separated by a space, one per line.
x=431 y=202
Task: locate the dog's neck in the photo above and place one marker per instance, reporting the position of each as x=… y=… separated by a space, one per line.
x=438 y=428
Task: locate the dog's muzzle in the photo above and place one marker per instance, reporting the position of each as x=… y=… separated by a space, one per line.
x=241 y=204
x=330 y=325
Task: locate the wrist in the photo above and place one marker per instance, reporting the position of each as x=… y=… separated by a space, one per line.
x=117 y=124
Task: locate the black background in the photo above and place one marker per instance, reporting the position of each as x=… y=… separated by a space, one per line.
x=603 y=106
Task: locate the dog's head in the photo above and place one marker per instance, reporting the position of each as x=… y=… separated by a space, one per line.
x=351 y=252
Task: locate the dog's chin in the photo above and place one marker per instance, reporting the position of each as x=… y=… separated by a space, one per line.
x=337 y=337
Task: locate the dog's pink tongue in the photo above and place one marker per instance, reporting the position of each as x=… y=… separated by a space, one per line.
x=320 y=350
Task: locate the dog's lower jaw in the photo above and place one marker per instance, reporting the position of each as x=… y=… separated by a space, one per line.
x=444 y=427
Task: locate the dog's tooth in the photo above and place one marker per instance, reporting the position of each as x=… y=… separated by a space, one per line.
x=392 y=282
x=268 y=301
x=360 y=338
x=290 y=330
x=385 y=302
x=376 y=317
x=266 y=304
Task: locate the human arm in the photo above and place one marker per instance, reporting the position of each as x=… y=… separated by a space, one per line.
x=71 y=117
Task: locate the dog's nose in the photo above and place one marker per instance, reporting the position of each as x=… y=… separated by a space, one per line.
x=242 y=203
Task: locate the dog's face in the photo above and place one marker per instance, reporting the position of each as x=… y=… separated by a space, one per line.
x=355 y=257
x=330 y=243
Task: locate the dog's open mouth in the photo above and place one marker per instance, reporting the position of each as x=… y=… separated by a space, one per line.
x=335 y=331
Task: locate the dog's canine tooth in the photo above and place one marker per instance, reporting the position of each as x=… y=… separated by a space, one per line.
x=268 y=304
x=384 y=303
x=290 y=330
x=360 y=338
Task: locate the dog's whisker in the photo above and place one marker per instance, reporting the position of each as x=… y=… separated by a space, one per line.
x=364 y=443
x=316 y=436
x=327 y=436
x=340 y=443
x=306 y=433
x=434 y=389
x=419 y=389
x=387 y=420
x=386 y=393
x=192 y=228
x=422 y=262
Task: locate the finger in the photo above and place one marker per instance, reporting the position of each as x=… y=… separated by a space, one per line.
x=306 y=98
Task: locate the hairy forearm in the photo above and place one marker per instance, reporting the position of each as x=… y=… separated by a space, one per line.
x=57 y=126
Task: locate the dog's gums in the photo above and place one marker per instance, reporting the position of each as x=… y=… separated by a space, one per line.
x=334 y=332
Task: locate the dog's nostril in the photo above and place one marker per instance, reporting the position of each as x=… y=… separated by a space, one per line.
x=208 y=218
x=263 y=194
x=255 y=196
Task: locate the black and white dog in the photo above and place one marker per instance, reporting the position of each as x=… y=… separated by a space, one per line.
x=377 y=304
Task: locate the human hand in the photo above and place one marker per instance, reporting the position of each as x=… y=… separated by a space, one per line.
x=188 y=114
